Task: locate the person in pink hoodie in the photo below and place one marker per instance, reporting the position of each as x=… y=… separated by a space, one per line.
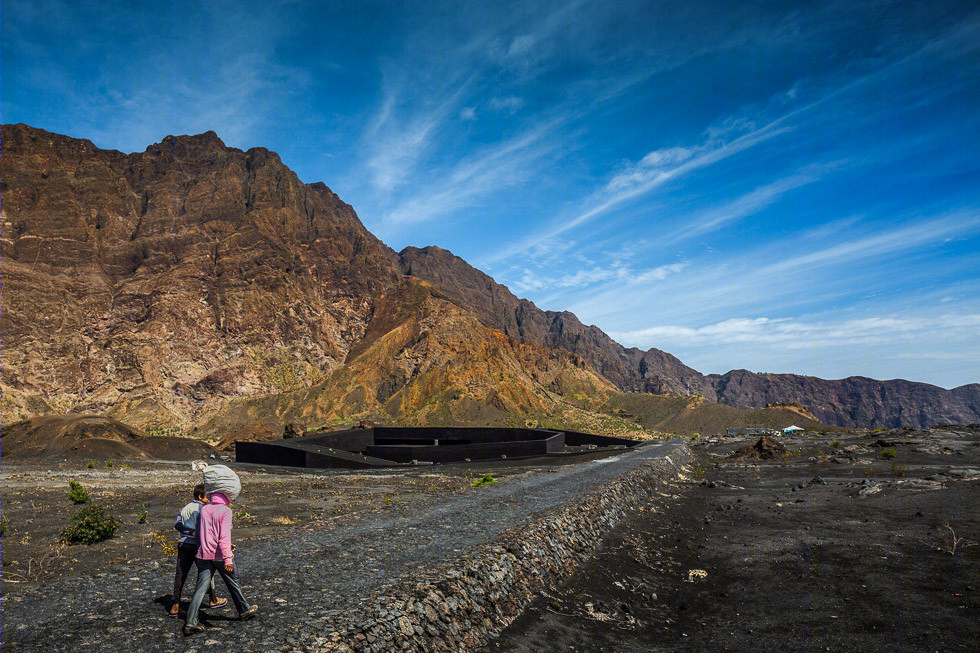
x=216 y=554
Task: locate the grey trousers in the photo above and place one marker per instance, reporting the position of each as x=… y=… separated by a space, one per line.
x=205 y=572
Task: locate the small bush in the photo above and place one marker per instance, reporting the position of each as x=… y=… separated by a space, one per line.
x=142 y=519
x=90 y=465
x=4 y=523
x=169 y=548
x=696 y=436
x=486 y=479
x=869 y=471
x=88 y=526
x=836 y=444
x=821 y=432
x=108 y=464
x=78 y=493
x=888 y=454
x=898 y=470
x=699 y=472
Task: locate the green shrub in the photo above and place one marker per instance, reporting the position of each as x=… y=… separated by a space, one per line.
x=4 y=523
x=836 y=444
x=108 y=464
x=90 y=465
x=484 y=480
x=888 y=454
x=898 y=470
x=78 y=493
x=88 y=526
x=142 y=519
x=699 y=472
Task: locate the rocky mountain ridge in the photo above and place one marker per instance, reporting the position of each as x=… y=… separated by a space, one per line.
x=851 y=402
x=193 y=283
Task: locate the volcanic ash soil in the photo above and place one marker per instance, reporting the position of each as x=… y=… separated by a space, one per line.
x=837 y=546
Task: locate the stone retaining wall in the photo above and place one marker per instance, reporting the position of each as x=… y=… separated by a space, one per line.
x=461 y=607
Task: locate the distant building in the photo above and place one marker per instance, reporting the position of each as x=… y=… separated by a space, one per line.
x=752 y=430
x=792 y=429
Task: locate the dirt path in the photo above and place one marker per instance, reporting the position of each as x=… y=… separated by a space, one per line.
x=789 y=563
x=307 y=576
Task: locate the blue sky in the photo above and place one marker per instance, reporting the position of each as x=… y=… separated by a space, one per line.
x=781 y=187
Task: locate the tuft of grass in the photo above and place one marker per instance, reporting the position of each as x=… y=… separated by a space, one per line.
x=869 y=471
x=142 y=519
x=108 y=464
x=486 y=479
x=4 y=524
x=699 y=472
x=888 y=454
x=898 y=470
x=78 y=493
x=88 y=526
x=836 y=444
x=90 y=465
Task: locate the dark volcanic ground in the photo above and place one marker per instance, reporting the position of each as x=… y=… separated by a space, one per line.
x=787 y=568
x=313 y=546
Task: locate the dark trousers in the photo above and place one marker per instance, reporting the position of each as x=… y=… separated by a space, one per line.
x=186 y=554
x=205 y=574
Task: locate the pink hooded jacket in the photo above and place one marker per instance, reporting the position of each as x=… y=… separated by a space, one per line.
x=214 y=530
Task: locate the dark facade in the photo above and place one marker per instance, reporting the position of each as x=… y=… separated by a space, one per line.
x=384 y=446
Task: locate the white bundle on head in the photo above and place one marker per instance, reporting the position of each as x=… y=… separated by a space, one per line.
x=221 y=478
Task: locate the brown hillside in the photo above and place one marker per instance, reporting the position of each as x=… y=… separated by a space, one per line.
x=88 y=437
x=438 y=366
x=687 y=415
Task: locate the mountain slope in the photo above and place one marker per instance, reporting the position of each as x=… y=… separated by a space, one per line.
x=855 y=401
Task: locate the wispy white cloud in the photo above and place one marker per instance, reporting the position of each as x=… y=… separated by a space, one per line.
x=652 y=171
x=741 y=207
x=511 y=103
x=504 y=164
x=801 y=334
x=906 y=237
x=397 y=143
x=626 y=274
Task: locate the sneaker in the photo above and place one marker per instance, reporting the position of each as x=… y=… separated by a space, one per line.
x=248 y=614
x=188 y=630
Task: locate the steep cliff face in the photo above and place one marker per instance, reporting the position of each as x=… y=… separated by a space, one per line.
x=855 y=401
x=155 y=286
